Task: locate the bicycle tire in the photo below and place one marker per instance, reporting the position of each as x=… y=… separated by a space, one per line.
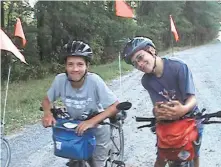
x=76 y=163
x=5 y=153
x=184 y=164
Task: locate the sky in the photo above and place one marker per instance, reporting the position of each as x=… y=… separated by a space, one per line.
x=32 y=2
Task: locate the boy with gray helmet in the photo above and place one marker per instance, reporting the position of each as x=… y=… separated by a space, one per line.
x=82 y=93
x=168 y=81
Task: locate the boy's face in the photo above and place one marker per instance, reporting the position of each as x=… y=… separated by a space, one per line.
x=143 y=61
x=75 y=67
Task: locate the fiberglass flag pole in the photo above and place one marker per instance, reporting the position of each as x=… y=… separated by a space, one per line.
x=123 y=10
x=119 y=58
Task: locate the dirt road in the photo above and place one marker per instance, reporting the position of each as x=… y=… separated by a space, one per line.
x=33 y=147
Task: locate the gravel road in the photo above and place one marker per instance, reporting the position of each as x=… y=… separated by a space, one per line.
x=32 y=147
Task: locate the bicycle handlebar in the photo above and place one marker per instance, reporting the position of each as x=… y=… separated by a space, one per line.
x=119 y=116
x=56 y=111
x=216 y=114
x=198 y=116
x=143 y=119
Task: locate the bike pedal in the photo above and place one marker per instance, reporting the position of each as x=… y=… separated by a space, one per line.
x=68 y=164
x=71 y=163
x=119 y=163
x=115 y=153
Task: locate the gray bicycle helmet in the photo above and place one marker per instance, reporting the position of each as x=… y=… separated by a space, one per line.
x=134 y=45
x=78 y=48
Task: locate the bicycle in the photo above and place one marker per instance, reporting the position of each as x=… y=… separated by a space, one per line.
x=5 y=149
x=116 y=153
x=204 y=119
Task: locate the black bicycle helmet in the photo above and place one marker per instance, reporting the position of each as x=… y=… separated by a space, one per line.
x=134 y=45
x=78 y=48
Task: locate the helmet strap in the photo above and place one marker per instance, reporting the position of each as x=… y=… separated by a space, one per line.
x=155 y=64
x=82 y=78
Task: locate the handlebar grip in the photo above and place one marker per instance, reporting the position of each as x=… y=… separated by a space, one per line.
x=52 y=109
x=144 y=119
x=216 y=114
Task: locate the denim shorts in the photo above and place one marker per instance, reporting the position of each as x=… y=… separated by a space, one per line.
x=198 y=142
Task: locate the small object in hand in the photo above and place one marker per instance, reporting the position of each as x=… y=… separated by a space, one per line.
x=70 y=125
x=166 y=103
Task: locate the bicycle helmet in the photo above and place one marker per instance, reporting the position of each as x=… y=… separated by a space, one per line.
x=134 y=45
x=78 y=48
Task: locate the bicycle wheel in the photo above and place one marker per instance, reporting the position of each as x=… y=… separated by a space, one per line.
x=77 y=163
x=117 y=149
x=181 y=164
x=5 y=153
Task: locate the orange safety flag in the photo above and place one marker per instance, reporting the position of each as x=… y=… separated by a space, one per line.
x=7 y=44
x=173 y=29
x=123 y=9
x=19 y=31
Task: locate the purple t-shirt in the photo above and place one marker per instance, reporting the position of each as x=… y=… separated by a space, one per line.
x=176 y=82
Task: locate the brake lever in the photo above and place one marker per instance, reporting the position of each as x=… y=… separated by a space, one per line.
x=144 y=119
x=144 y=126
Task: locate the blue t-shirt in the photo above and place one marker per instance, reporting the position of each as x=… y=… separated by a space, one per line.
x=176 y=82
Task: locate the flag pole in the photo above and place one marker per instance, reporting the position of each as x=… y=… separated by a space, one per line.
x=6 y=94
x=119 y=60
x=172 y=44
x=171 y=36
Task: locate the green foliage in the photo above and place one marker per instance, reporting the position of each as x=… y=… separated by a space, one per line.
x=50 y=24
x=196 y=22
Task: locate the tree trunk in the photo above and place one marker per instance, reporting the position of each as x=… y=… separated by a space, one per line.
x=40 y=24
x=2 y=15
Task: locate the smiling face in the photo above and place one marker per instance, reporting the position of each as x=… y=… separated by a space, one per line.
x=76 y=67
x=143 y=61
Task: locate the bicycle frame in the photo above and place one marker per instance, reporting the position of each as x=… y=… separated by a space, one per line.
x=117 y=148
x=121 y=148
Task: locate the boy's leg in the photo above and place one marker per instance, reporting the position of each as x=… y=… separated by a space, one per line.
x=103 y=146
x=197 y=144
x=196 y=162
x=160 y=163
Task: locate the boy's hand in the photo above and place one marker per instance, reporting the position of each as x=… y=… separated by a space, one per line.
x=175 y=109
x=172 y=110
x=48 y=120
x=83 y=126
